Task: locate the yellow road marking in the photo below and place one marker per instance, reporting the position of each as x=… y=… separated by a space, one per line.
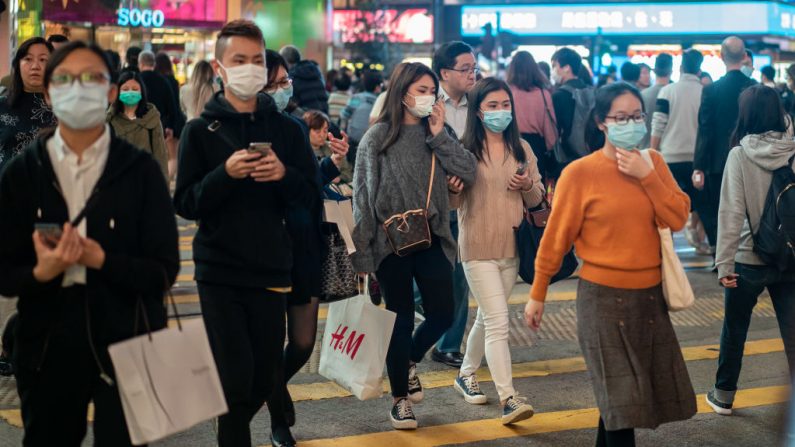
x=185 y=278
x=444 y=378
x=186 y=263
x=552 y=422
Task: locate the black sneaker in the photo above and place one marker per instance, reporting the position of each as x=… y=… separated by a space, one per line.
x=281 y=437
x=718 y=406
x=470 y=389
x=415 y=387
x=515 y=410
x=402 y=415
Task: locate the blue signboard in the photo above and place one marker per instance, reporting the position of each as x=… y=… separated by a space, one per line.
x=760 y=17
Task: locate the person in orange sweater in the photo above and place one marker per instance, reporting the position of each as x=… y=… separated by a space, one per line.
x=609 y=205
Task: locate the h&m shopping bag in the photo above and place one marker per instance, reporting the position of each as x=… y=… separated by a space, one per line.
x=355 y=344
x=167 y=380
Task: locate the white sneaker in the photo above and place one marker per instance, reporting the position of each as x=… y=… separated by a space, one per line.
x=470 y=389
x=415 y=387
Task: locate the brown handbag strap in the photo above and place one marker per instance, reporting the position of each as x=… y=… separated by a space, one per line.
x=430 y=183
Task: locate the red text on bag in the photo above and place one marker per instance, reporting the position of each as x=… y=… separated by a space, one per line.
x=351 y=345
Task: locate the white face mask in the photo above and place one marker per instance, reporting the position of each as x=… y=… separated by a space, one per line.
x=556 y=77
x=423 y=105
x=245 y=81
x=80 y=107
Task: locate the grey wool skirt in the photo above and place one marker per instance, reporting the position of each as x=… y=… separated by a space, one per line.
x=634 y=360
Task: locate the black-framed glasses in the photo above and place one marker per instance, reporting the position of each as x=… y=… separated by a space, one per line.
x=621 y=120
x=86 y=78
x=284 y=83
x=471 y=70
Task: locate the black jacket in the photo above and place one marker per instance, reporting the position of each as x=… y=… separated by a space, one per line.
x=242 y=239
x=133 y=221
x=159 y=93
x=310 y=90
x=564 y=104
x=717 y=119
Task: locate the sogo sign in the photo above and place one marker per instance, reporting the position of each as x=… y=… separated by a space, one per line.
x=136 y=17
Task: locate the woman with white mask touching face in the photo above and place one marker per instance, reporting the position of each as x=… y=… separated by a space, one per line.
x=408 y=148
x=79 y=283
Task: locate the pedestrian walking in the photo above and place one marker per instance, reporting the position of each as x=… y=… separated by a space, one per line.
x=508 y=182
x=136 y=121
x=573 y=100
x=81 y=284
x=535 y=114
x=241 y=194
x=339 y=98
x=24 y=111
x=761 y=145
x=395 y=160
x=455 y=65
x=717 y=119
x=310 y=89
x=663 y=68
x=614 y=198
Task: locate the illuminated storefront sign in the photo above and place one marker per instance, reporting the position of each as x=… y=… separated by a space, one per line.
x=762 y=17
x=402 y=26
x=144 y=18
x=127 y=13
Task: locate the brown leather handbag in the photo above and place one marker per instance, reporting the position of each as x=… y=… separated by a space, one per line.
x=409 y=232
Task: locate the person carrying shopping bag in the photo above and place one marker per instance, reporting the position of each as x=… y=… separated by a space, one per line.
x=609 y=204
x=507 y=183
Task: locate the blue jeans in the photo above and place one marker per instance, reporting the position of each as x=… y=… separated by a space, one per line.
x=739 y=304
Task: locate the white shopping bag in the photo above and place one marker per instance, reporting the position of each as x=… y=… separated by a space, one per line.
x=168 y=383
x=341 y=213
x=355 y=344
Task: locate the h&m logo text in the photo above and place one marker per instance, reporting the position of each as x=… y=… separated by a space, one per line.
x=351 y=345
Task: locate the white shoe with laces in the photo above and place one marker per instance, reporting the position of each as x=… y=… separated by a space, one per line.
x=516 y=409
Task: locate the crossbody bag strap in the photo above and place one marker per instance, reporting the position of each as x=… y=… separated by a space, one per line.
x=549 y=114
x=430 y=183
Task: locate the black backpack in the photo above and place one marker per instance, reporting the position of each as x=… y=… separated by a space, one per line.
x=774 y=241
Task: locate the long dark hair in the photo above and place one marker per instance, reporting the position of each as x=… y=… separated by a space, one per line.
x=475 y=134
x=603 y=101
x=17 y=89
x=142 y=107
x=524 y=73
x=760 y=111
x=163 y=64
x=404 y=75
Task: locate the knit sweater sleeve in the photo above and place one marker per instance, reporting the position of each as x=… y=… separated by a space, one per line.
x=454 y=157
x=564 y=226
x=671 y=205
x=731 y=215
x=365 y=181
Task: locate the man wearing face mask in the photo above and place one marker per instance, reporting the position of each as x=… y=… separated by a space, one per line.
x=240 y=195
x=573 y=100
x=717 y=118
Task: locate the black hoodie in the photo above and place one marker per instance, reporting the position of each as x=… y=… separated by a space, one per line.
x=310 y=90
x=242 y=239
x=132 y=220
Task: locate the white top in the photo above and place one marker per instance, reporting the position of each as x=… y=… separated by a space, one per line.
x=77 y=178
x=455 y=115
x=378 y=105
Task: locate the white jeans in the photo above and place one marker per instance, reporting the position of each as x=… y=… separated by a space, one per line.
x=491 y=283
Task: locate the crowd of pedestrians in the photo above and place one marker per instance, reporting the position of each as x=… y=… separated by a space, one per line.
x=256 y=140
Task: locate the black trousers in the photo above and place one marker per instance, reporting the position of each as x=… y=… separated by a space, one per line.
x=683 y=174
x=246 y=332
x=55 y=396
x=546 y=165
x=434 y=276
x=708 y=206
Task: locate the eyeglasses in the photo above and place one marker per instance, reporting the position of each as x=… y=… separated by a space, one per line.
x=472 y=70
x=284 y=83
x=621 y=120
x=87 y=78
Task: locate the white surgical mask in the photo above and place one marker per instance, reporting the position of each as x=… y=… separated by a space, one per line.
x=79 y=106
x=245 y=81
x=748 y=71
x=556 y=77
x=423 y=105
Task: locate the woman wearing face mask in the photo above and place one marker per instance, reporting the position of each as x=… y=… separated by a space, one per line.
x=613 y=198
x=508 y=181
x=393 y=166
x=195 y=94
x=23 y=113
x=80 y=287
x=136 y=121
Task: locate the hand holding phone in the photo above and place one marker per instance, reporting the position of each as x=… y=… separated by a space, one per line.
x=52 y=261
x=262 y=148
x=50 y=233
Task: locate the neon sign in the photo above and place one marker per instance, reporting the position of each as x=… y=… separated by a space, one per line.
x=144 y=18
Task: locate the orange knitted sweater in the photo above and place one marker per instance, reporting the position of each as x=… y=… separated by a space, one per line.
x=611 y=218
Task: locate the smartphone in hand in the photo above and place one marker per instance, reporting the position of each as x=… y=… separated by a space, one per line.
x=51 y=233
x=264 y=149
x=522 y=168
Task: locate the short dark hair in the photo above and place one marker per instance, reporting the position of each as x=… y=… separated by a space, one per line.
x=630 y=72
x=760 y=111
x=523 y=72
x=769 y=72
x=315 y=119
x=57 y=38
x=445 y=56
x=750 y=55
x=371 y=80
x=567 y=56
x=691 y=61
x=62 y=53
x=17 y=89
x=343 y=83
x=242 y=28
x=603 y=102
x=131 y=57
x=664 y=65
x=118 y=106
